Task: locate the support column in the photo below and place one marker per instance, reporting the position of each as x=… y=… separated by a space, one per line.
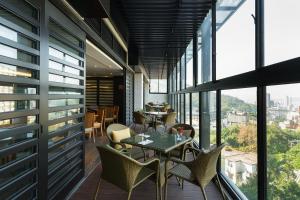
x=138 y=91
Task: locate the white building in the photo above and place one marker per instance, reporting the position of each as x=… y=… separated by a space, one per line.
x=240 y=166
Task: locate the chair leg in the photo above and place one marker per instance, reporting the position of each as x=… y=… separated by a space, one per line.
x=101 y=130
x=220 y=187
x=203 y=192
x=96 y=131
x=166 y=180
x=129 y=194
x=178 y=181
x=97 y=190
x=182 y=181
x=94 y=137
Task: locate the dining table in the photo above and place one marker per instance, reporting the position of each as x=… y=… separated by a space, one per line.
x=161 y=143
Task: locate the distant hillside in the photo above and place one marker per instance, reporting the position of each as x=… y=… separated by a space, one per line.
x=229 y=102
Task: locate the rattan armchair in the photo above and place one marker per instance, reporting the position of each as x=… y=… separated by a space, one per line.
x=125 y=172
x=168 y=119
x=139 y=119
x=199 y=171
x=180 y=152
x=134 y=152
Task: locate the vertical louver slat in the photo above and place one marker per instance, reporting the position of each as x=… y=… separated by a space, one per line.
x=19 y=99
x=65 y=104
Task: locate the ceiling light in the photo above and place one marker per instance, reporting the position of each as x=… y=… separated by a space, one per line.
x=115 y=33
x=104 y=54
x=73 y=10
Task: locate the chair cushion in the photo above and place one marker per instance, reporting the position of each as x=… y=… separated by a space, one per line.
x=88 y=130
x=117 y=136
x=97 y=125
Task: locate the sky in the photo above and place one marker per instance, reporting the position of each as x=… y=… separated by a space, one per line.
x=236 y=40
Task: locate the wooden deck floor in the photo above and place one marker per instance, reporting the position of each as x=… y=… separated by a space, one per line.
x=145 y=191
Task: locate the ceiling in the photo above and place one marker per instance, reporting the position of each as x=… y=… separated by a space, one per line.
x=98 y=64
x=162 y=29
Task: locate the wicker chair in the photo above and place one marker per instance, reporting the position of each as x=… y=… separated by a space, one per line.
x=116 y=114
x=199 y=171
x=134 y=152
x=108 y=115
x=139 y=119
x=125 y=172
x=168 y=119
x=179 y=152
x=99 y=121
x=89 y=124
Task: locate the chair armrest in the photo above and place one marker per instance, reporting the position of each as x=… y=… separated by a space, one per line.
x=193 y=149
x=178 y=161
x=119 y=143
x=151 y=161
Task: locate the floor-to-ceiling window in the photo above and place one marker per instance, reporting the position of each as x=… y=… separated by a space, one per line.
x=187 y=108
x=283 y=141
x=232 y=110
x=235 y=36
x=195 y=114
x=189 y=65
x=281 y=30
x=239 y=132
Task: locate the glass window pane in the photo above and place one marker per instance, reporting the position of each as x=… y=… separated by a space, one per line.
x=281 y=30
x=187 y=108
x=205 y=51
x=182 y=71
x=62 y=125
x=72 y=60
x=283 y=141
x=16 y=122
x=154 y=85
x=15 y=139
x=59 y=90
x=10 y=88
x=55 y=65
x=162 y=86
x=11 y=70
x=72 y=81
x=56 y=53
x=18 y=21
x=235 y=45
x=195 y=115
x=10 y=106
x=72 y=70
x=189 y=65
x=239 y=132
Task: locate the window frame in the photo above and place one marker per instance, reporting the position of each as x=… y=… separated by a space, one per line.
x=260 y=77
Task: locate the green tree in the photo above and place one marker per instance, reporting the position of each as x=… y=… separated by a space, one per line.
x=250 y=188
